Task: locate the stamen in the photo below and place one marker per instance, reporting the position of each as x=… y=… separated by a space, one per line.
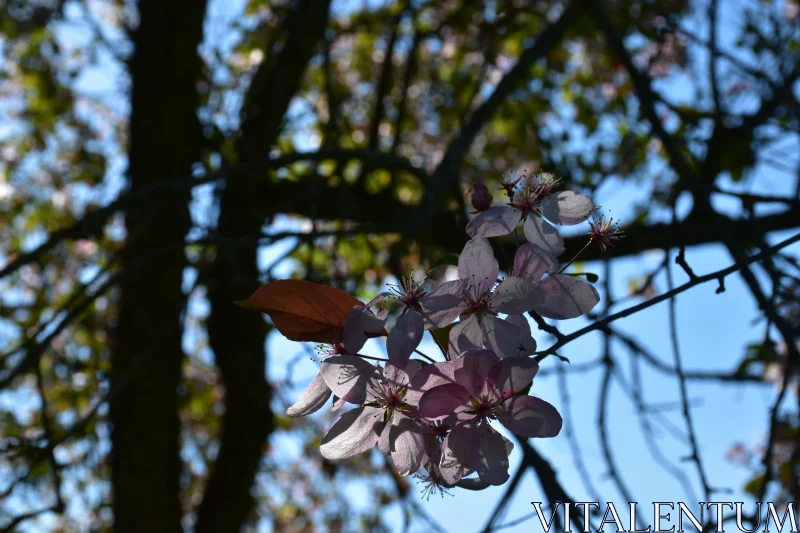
x=324 y=351
x=431 y=486
x=604 y=232
x=408 y=292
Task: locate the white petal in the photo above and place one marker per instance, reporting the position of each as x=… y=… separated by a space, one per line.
x=312 y=399
x=473 y=374
x=489 y=457
x=493 y=222
x=404 y=338
x=566 y=297
x=430 y=376
x=443 y=401
x=359 y=323
x=348 y=377
x=533 y=262
x=378 y=299
x=509 y=446
x=455 y=454
x=446 y=296
x=521 y=323
x=355 y=432
x=505 y=339
x=526 y=344
x=472 y=483
x=338 y=403
x=407 y=444
x=511 y=375
x=395 y=376
x=515 y=296
x=566 y=208
x=465 y=335
x=413 y=367
x=528 y=416
x=433 y=449
x=477 y=263
x=543 y=235
x=440 y=319
x=383 y=441
x=443 y=305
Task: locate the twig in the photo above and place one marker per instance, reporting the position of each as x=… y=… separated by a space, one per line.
x=647 y=430
x=687 y=413
x=601 y=324
x=505 y=500
x=680 y=259
x=423 y=355
x=572 y=440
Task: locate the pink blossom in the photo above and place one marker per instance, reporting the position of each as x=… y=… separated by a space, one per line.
x=312 y=399
x=387 y=415
x=561 y=296
x=486 y=388
x=360 y=322
x=404 y=338
x=474 y=297
x=531 y=197
x=384 y=415
x=412 y=295
x=604 y=232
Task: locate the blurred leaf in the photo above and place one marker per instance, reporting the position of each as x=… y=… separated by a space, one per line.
x=446 y=260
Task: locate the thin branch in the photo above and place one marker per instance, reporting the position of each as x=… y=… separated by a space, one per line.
x=12 y=526
x=636 y=392
x=642 y=83
x=572 y=440
x=505 y=500
x=720 y=274
x=684 y=393
x=47 y=426
x=97 y=30
x=34 y=348
x=602 y=408
x=680 y=259
x=748 y=198
x=712 y=63
x=554 y=491
x=725 y=377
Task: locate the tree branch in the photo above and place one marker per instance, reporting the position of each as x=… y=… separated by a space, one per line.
x=600 y=325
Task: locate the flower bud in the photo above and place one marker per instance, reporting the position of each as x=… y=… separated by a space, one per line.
x=480 y=197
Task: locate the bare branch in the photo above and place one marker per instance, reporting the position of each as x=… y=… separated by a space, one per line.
x=601 y=324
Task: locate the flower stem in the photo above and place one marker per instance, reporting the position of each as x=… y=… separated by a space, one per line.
x=580 y=253
x=370 y=357
x=425 y=356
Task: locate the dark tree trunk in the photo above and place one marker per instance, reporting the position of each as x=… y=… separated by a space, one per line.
x=236 y=335
x=146 y=361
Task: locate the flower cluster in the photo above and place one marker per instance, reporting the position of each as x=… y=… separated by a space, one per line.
x=440 y=416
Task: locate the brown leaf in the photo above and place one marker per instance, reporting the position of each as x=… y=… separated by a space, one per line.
x=301 y=310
